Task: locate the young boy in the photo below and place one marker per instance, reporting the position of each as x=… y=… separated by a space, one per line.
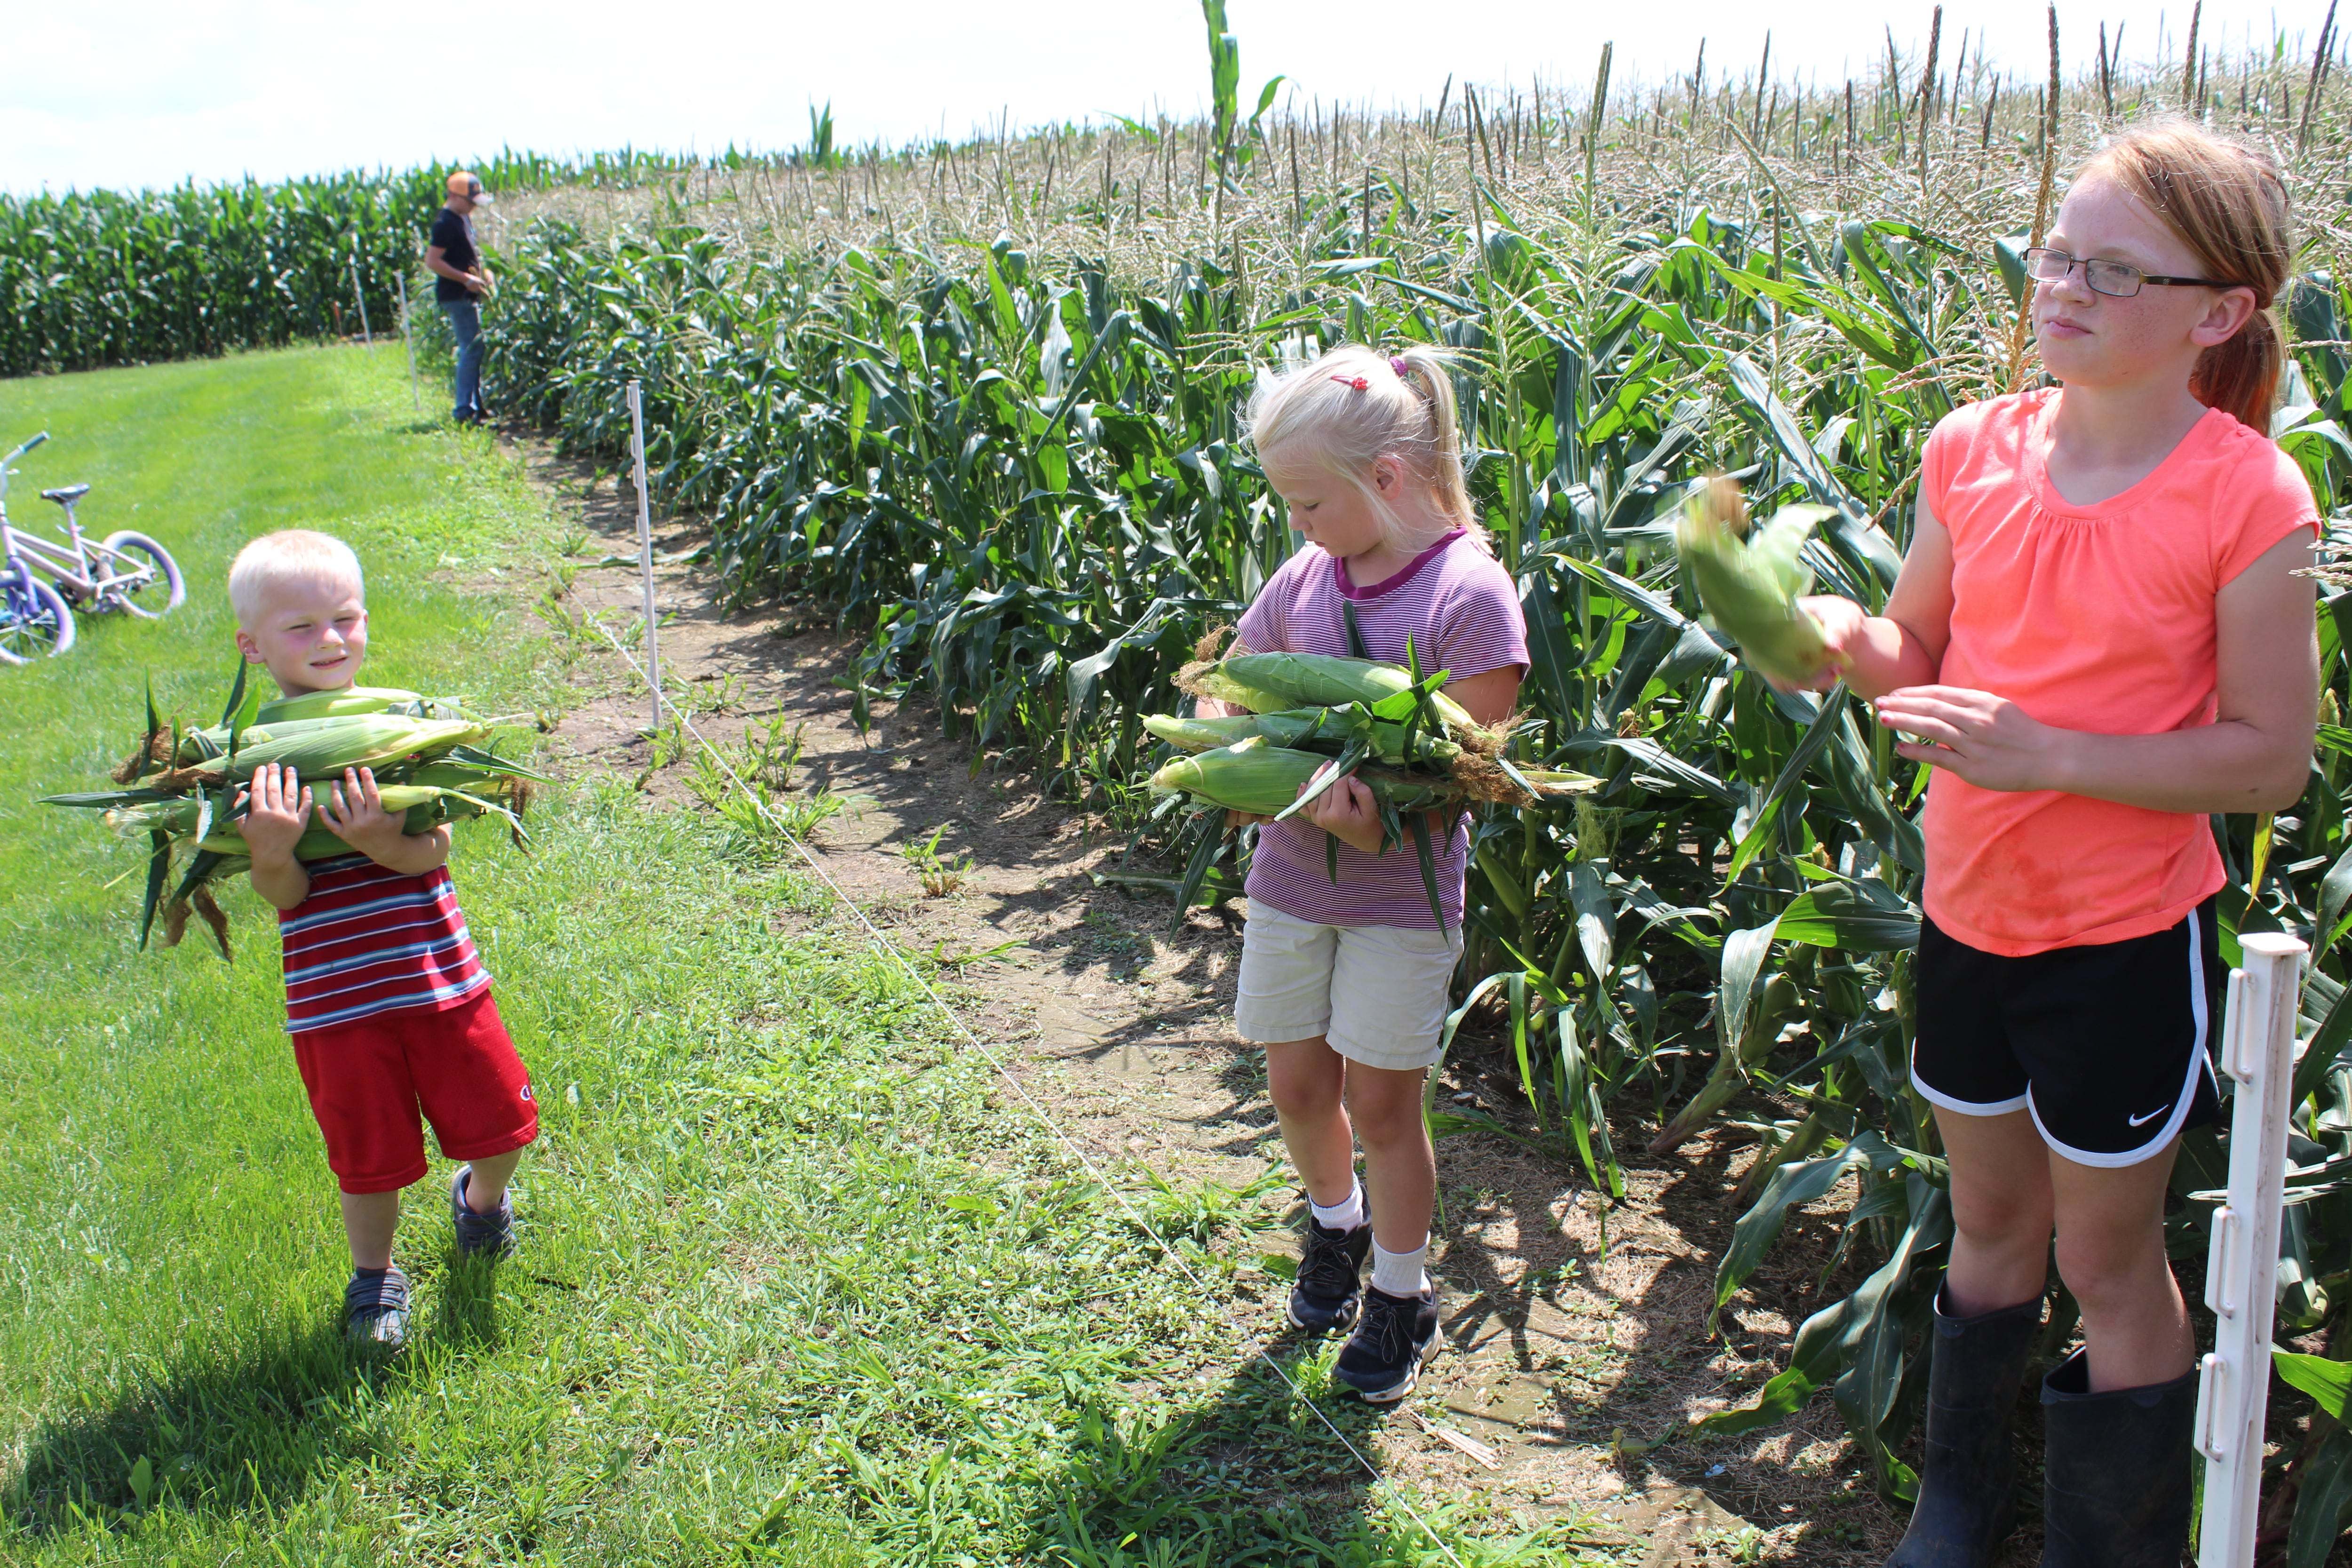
x=388 y=1004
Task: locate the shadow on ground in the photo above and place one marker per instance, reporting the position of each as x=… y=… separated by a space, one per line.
x=249 y=1430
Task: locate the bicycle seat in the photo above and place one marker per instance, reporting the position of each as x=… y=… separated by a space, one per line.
x=66 y=494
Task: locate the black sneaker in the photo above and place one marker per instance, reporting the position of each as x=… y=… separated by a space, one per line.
x=1397 y=1335
x=488 y=1234
x=375 y=1312
x=1326 y=1294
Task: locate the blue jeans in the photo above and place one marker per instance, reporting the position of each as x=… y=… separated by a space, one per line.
x=465 y=321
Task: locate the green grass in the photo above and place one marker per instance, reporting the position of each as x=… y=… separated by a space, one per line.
x=791 y=1291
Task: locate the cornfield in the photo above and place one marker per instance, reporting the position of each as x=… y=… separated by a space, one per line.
x=982 y=400
x=100 y=278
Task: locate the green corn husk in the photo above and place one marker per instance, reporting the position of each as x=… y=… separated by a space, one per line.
x=1249 y=775
x=1310 y=680
x=318 y=843
x=1215 y=683
x=1258 y=777
x=1751 y=589
x=1311 y=729
x=348 y=699
x=331 y=745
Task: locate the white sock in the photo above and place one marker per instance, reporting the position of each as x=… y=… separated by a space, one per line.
x=1400 y=1273
x=1345 y=1215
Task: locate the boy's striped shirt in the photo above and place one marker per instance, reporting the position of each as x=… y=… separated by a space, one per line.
x=368 y=940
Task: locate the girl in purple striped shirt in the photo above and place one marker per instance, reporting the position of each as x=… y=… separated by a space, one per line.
x=1346 y=983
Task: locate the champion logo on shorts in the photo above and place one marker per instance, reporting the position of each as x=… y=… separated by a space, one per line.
x=2135 y=1121
x=526 y=1091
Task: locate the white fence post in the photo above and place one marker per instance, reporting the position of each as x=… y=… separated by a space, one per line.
x=360 y=295
x=645 y=545
x=2242 y=1269
x=408 y=341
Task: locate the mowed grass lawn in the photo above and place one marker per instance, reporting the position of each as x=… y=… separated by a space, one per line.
x=791 y=1290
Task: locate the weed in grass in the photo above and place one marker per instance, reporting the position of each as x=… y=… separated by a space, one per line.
x=940 y=874
x=764 y=815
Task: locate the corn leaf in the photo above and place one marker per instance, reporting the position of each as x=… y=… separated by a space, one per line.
x=159 y=867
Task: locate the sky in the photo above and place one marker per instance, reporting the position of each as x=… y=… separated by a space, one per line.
x=128 y=93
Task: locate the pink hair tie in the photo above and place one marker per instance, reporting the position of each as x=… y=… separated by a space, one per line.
x=1358 y=381
x=1398 y=365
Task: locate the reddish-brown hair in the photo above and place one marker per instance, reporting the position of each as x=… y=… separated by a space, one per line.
x=2228 y=204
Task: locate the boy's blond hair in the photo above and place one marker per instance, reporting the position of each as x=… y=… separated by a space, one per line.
x=288 y=555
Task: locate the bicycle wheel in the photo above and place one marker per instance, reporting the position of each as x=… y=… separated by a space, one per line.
x=36 y=622
x=156 y=580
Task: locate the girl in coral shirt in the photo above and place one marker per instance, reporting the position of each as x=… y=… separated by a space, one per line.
x=2097 y=639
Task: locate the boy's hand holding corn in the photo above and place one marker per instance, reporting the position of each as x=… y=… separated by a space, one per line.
x=278 y=813
x=279 y=816
x=354 y=811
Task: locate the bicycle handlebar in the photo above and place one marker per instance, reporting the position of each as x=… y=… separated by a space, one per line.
x=22 y=448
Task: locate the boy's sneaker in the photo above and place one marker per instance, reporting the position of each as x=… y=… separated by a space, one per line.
x=1326 y=1294
x=1396 y=1336
x=375 y=1308
x=488 y=1234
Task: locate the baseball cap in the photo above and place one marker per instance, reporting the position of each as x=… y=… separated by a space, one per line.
x=464 y=184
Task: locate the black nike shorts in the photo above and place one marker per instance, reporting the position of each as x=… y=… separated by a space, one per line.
x=2107 y=1046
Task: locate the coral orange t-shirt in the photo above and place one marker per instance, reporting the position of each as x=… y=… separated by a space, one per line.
x=2097 y=619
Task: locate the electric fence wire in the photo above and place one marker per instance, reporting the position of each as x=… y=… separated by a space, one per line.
x=1135 y=1216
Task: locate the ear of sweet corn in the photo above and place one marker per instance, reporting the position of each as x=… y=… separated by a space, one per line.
x=1751 y=588
x=1307 y=728
x=1218 y=684
x=332 y=704
x=1261 y=778
x=1309 y=679
x=1249 y=775
x=319 y=842
x=330 y=745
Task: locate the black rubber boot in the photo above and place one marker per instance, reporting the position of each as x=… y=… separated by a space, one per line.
x=2116 y=1485
x=1967 y=1485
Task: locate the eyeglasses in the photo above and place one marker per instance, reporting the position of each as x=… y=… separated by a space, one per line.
x=2118 y=279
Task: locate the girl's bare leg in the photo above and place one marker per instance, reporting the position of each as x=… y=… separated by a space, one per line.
x=2111 y=1255
x=1400 y=1166
x=2002 y=1210
x=1307 y=1081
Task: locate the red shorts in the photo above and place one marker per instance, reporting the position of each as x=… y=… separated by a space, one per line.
x=369 y=1081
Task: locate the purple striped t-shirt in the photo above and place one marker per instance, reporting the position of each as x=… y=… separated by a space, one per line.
x=1462 y=612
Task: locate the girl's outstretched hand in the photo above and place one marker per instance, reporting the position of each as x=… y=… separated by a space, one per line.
x=1346 y=811
x=1841 y=620
x=1987 y=740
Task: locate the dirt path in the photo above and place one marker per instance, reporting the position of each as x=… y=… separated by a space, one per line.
x=1555 y=1342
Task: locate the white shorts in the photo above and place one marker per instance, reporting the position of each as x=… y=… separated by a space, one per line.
x=1377 y=993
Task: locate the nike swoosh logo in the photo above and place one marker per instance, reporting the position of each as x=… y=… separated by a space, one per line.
x=2138 y=1121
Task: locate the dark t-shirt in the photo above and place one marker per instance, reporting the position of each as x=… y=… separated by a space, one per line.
x=454 y=236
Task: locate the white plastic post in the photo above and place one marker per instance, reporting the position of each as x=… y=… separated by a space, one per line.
x=408 y=341
x=645 y=546
x=2242 y=1269
x=360 y=295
